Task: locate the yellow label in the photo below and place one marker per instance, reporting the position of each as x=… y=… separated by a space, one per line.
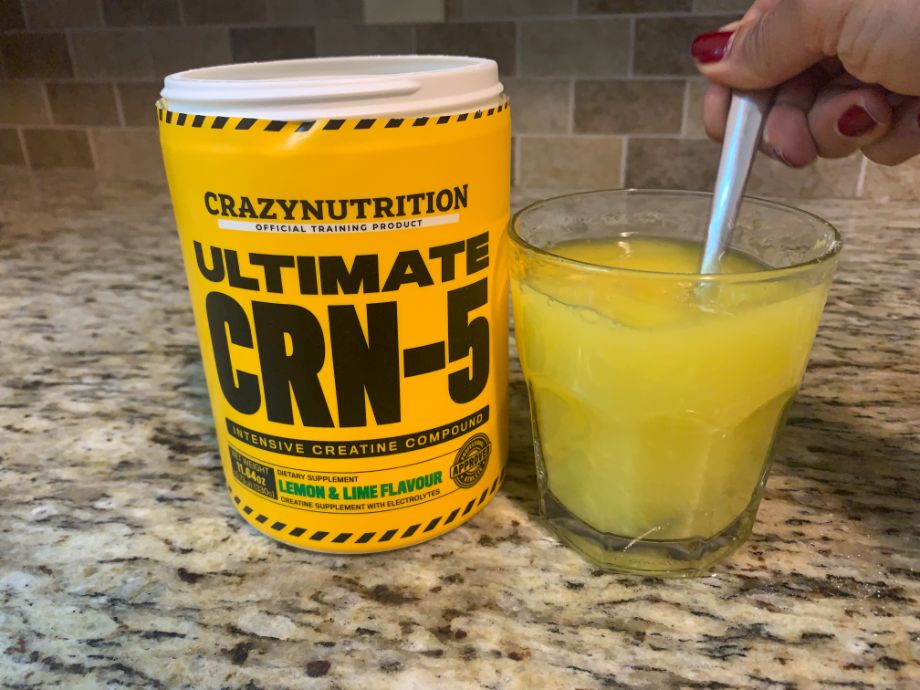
x=348 y=280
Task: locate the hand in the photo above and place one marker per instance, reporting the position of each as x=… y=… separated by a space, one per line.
x=847 y=72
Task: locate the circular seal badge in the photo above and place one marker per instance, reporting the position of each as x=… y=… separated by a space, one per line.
x=470 y=463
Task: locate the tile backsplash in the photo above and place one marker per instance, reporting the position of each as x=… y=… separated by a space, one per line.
x=603 y=92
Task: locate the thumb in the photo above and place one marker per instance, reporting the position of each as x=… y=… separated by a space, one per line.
x=766 y=50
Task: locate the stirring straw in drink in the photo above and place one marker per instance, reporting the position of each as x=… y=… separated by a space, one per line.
x=742 y=135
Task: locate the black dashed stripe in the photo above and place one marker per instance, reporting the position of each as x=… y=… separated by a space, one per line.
x=366 y=537
x=246 y=123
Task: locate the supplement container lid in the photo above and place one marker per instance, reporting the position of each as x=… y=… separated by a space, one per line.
x=363 y=86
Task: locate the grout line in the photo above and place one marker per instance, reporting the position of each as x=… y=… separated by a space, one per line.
x=25 y=16
x=684 y=118
x=624 y=153
x=618 y=76
x=77 y=128
x=101 y=14
x=82 y=80
x=72 y=128
x=92 y=148
x=228 y=41
x=518 y=51
x=676 y=136
x=70 y=54
x=671 y=136
x=213 y=22
x=76 y=29
x=536 y=18
x=27 y=159
x=138 y=28
x=644 y=77
x=534 y=77
x=861 y=179
x=570 y=125
x=631 y=55
x=119 y=106
x=46 y=101
x=684 y=14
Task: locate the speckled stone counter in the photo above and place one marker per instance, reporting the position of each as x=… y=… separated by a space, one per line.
x=123 y=565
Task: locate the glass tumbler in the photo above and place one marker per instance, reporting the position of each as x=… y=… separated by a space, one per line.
x=656 y=393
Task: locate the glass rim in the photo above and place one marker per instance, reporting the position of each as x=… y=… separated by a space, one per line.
x=749 y=276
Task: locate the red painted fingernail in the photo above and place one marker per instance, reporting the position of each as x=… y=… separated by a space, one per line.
x=711 y=47
x=855 y=122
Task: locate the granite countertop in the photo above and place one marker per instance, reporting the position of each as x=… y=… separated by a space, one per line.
x=123 y=564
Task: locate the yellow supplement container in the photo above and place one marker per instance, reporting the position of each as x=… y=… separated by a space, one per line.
x=342 y=225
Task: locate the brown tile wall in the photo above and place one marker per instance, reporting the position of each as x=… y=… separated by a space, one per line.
x=604 y=92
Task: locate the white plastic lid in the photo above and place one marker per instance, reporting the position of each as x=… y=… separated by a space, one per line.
x=366 y=86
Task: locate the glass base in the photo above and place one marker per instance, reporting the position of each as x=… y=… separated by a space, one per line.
x=653 y=557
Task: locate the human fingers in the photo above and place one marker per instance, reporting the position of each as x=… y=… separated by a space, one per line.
x=903 y=138
x=715 y=110
x=876 y=42
x=770 y=46
x=845 y=119
x=786 y=134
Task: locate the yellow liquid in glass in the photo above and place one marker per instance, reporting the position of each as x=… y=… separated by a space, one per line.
x=656 y=405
